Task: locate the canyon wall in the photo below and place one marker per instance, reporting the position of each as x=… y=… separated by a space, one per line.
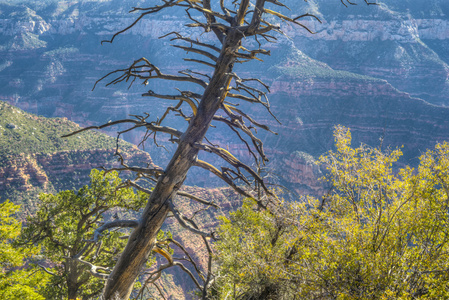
x=362 y=64
x=380 y=70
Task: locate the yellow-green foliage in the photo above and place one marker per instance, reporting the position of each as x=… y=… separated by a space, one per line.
x=379 y=234
x=251 y=252
x=16 y=280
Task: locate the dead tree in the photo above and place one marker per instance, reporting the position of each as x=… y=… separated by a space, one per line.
x=233 y=24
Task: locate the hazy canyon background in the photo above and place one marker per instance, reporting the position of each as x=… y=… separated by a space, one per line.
x=380 y=70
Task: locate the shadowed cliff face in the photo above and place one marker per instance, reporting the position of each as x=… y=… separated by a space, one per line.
x=402 y=121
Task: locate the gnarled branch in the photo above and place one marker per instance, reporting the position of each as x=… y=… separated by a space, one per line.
x=144 y=70
x=197 y=199
x=222 y=175
x=137 y=124
x=182 y=221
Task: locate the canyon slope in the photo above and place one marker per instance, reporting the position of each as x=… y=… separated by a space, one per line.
x=34 y=158
x=380 y=70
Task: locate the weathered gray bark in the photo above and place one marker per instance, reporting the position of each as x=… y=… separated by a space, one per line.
x=142 y=239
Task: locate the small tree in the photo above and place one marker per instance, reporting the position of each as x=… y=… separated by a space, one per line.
x=69 y=227
x=17 y=280
x=235 y=26
x=378 y=235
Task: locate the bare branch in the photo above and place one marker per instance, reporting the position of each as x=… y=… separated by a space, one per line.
x=249 y=90
x=239 y=80
x=181 y=97
x=93 y=269
x=113 y=224
x=294 y=21
x=207 y=166
x=198 y=51
x=46 y=270
x=137 y=123
x=245 y=98
x=177 y=263
x=144 y=70
x=187 y=71
x=352 y=3
x=234 y=128
x=229 y=158
x=200 y=62
x=275 y=2
x=208 y=280
x=180 y=37
x=99 y=231
x=189 y=258
x=158 y=273
x=181 y=219
x=136 y=186
x=159 y=290
x=238 y=122
x=210 y=14
x=155 y=275
x=195 y=198
x=252 y=54
x=226 y=11
x=263 y=126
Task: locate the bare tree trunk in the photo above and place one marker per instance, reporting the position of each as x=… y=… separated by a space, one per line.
x=229 y=25
x=141 y=241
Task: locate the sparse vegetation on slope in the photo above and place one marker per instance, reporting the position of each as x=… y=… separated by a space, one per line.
x=34 y=158
x=21 y=132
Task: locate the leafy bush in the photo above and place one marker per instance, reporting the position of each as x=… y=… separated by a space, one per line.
x=379 y=234
x=17 y=281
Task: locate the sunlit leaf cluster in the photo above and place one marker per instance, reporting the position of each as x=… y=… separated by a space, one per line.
x=17 y=281
x=380 y=233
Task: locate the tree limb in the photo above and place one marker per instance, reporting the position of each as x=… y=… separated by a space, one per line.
x=93 y=270
x=197 y=51
x=195 y=198
x=222 y=176
x=181 y=97
x=189 y=40
x=46 y=270
x=144 y=70
x=137 y=123
x=181 y=220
